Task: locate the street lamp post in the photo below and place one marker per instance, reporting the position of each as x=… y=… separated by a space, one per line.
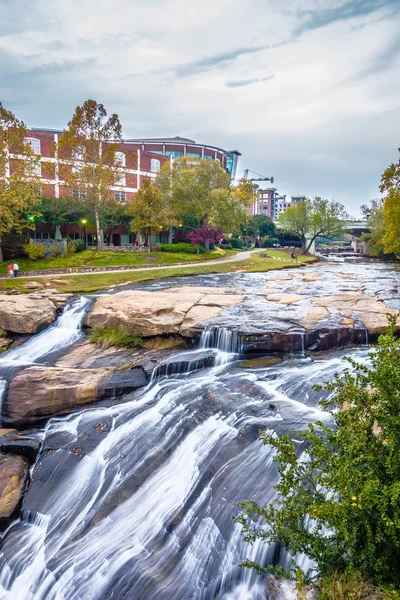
x=84 y=221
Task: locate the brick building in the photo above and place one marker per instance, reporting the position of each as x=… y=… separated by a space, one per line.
x=142 y=158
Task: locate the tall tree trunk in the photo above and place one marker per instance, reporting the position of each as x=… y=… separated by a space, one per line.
x=98 y=234
x=207 y=245
x=149 y=242
x=1 y=252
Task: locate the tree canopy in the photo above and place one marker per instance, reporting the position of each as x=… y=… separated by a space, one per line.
x=390 y=185
x=313 y=218
x=18 y=174
x=92 y=162
x=338 y=496
x=200 y=189
x=150 y=211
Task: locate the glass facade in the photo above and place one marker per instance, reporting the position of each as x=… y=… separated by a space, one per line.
x=193 y=154
x=173 y=154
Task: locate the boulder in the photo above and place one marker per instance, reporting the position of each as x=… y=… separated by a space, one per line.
x=143 y=313
x=24 y=314
x=171 y=311
x=58 y=390
x=13 y=475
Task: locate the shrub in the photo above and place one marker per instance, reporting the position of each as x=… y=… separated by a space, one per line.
x=71 y=246
x=182 y=247
x=236 y=243
x=114 y=336
x=349 y=586
x=342 y=477
x=219 y=252
x=156 y=247
x=268 y=242
x=80 y=245
x=225 y=246
x=35 y=251
x=53 y=251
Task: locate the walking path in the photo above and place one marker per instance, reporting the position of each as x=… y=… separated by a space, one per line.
x=126 y=269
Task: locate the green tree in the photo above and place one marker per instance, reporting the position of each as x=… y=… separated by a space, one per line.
x=390 y=185
x=150 y=211
x=112 y=215
x=60 y=211
x=313 y=218
x=91 y=158
x=200 y=189
x=376 y=224
x=339 y=491
x=19 y=178
x=265 y=226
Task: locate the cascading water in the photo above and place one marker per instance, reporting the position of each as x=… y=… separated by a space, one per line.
x=225 y=341
x=136 y=500
x=218 y=346
x=65 y=331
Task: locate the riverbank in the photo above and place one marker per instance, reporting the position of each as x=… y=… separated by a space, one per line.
x=92 y=259
x=249 y=261
x=151 y=448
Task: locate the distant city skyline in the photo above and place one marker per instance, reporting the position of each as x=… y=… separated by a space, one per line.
x=308 y=92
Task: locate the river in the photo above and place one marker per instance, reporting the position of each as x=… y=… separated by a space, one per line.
x=135 y=500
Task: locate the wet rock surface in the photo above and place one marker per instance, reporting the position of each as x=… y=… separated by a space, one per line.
x=24 y=314
x=58 y=390
x=25 y=444
x=176 y=310
x=13 y=475
x=320 y=307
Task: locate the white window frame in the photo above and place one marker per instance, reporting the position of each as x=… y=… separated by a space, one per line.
x=34 y=142
x=122 y=196
x=121 y=158
x=155 y=165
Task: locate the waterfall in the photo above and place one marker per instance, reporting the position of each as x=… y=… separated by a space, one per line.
x=142 y=506
x=65 y=331
x=218 y=346
x=224 y=340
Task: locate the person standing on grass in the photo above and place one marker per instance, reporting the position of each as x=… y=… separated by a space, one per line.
x=15 y=269
x=10 y=270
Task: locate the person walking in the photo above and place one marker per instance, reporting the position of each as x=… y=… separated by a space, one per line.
x=10 y=270
x=15 y=269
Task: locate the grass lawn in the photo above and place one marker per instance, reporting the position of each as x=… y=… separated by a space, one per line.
x=92 y=258
x=96 y=281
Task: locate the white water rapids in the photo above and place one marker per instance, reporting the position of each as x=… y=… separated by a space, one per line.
x=64 y=332
x=135 y=501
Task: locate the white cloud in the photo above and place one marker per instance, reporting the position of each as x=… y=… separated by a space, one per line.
x=308 y=91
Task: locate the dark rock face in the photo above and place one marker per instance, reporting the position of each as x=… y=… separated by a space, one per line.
x=13 y=475
x=21 y=443
x=287 y=343
x=39 y=392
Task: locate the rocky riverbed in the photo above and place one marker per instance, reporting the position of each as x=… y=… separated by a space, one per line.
x=197 y=406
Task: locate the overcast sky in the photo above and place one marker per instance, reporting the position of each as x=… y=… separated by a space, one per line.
x=306 y=90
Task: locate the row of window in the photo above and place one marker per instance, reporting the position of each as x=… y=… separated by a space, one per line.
x=121 y=158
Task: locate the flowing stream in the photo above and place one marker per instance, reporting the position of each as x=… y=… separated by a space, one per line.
x=135 y=501
x=65 y=331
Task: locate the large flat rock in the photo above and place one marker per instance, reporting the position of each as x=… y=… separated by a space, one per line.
x=24 y=314
x=13 y=475
x=56 y=390
x=171 y=311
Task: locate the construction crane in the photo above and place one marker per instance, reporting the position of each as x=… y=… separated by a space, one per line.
x=259 y=178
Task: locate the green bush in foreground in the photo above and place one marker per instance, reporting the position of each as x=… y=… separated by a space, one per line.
x=34 y=251
x=347 y=481
x=183 y=247
x=114 y=336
